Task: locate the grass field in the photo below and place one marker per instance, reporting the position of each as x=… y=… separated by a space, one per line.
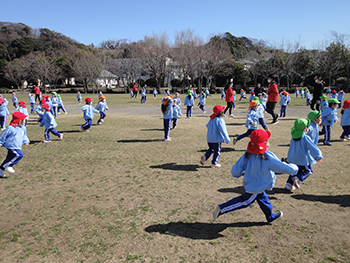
x=121 y=194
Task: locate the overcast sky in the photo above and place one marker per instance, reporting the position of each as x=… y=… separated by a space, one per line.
x=91 y=22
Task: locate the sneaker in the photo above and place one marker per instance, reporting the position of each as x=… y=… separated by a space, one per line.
x=296 y=181
x=45 y=141
x=204 y=111
x=215 y=165
x=342 y=139
x=234 y=141
x=81 y=128
x=216 y=212
x=231 y=115
x=102 y=120
x=289 y=187
x=167 y=139
x=61 y=136
x=2 y=175
x=278 y=216
x=274 y=122
x=99 y=123
x=203 y=159
x=2 y=129
x=9 y=169
x=327 y=143
x=66 y=112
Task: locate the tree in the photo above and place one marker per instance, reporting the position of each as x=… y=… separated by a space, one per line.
x=85 y=67
x=305 y=63
x=23 y=46
x=15 y=72
x=329 y=61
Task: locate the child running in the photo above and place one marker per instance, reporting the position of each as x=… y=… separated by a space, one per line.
x=258 y=167
x=329 y=117
x=345 y=121
x=32 y=102
x=216 y=134
x=49 y=122
x=302 y=152
x=12 y=138
x=313 y=131
x=39 y=110
x=102 y=107
x=3 y=112
x=22 y=108
x=79 y=97
x=189 y=102
x=60 y=105
x=54 y=104
x=14 y=100
x=261 y=109
x=155 y=92
x=88 y=111
x=283 y=102
x=176 y=113
x=323 y=102
x=167 y=110
x=201 y=103
x=252 y=121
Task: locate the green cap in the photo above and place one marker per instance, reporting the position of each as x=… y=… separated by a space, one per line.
x=299 y=126
x=323 y=97
x=333 y=101
x=313 y=115
x=255 y=98
x=55 y=93
x=58 y=96
x=189 y=92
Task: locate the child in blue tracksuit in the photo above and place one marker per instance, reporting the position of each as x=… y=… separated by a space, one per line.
x=345 y=121
x=60 y=105
x=88 y=111
x=297 y=93
x=102 y=107
x=252 y=95
x=178 y=100
x=32 y=102
x=308 y=97
x=167 y=92
x=216 y=134
x=323 y=103
x=201 y=103
x=79 y=97
x=143 y=95
x=189 y=102
x=22 y=108
x=49 y=122
x=315 y=120
x=283 y=102
x=3 y=112
x=131 y=94
x=340 y=97
x=39 y=111
x=207 y=92
x=176 y=113
x=14 y=100
x=252 y=121
x=261 y=109
x=334 y=94
x=167 y=110
x=12 y=138
x=302 y=152
x=155 y=92
x=329 y=117
x=54 y=104
x=100 y=94
x=258 y=166
x=242 y=93
x=302 y=93
x=222 y=94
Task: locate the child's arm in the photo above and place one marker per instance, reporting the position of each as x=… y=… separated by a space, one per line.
x=223 y=130
x=239 y=167
x=280 y=167
x=25 y=137
x=4 y=136
x=314 y=150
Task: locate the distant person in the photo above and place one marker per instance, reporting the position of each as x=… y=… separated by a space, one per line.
x=341 y=94
x=22 y=108
x=50 y=124
x=60 y=105
x=189 y=102
x=135 y=89
x=88 y=111
x=329 y=117
x=272 y=98
x=37 y=94
x=79 y=98
x=155 y=92
x=167 y=110
x=345 y=121
x=14 y=100
x=176 y=113
x=102 y=107
x=3 y=112
x=32 y=102
x=229 y=98
x=318 y=92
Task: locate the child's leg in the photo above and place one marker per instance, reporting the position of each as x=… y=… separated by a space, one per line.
x=13 y=157
x=234 y=105
x=174 y=123
x=32 y=107
x=54 y=132
x=2 y=121
x=190 y=111
x=284 y=110
x=217 y=153
x=47 y=135
x=342 y=136
x=327 y=134
x=87 y=124
x=304 y=172
x=238 y=202
x=187 y=111
x=209 y=152
x=246 y=134
x=265 y=206
x=54 y=109
x=281 y=110
x=166 y=123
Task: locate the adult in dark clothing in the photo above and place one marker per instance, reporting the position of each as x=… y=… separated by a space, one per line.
x=318 y=92
x=258 y=89
x=272 y=98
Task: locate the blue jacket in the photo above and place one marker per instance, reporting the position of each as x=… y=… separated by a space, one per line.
x=89 y=111
x=14 y=137
x=345 y=118
x=329 y=116
x=178 y=101
x=155 y=92
x=3 y=108
x=31 y=99
x=48 y=121
x=14 y=99
x=308 y=95
x=189 y=102
x=102 y=106
x=260 y=174
x=253 y=116
x=169 y=113
x=313 y=132
x=176 y=112
x=79 y=96
x=59 y=102
x=261 y=110
x=39 y=111
x=284 y=99
x=341 y=95
x=24 y=111
x=54 y=101
x=303 y=152
x=217 y=131
x=334 y=95
x=323 y=105
x=201 y=100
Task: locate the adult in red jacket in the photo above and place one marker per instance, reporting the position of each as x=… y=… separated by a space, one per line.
x=272 y=98
x=135 y=90
x=229 y=99
x=37 y=93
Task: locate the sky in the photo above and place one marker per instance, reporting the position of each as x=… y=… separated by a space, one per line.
x=91 y=21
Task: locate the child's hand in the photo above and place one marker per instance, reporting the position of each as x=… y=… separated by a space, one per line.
x=251 y=123
x=320 y=161
x=26 y=144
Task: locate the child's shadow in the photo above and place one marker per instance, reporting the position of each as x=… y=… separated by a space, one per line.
x=223 y=150
x=241 y=190
x=177 y=167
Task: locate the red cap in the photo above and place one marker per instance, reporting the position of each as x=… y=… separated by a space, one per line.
x=46 y=106
x=16 y=117
x=346 y=105
x=217 y=109
x=43 y=100
x=22 y=103
x=334 y=91
x=87 y=100
x=1 y=100
x=257 y=144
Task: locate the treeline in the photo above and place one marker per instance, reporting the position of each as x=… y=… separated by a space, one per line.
x=31 y=55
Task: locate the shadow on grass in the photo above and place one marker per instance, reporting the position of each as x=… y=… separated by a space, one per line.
x=35 y=142
x=342 y=200
x=71 y=131
x=235 y=124
x=223 y=150
x=284 y=145
x=204 y=231
x=152 y=129
x=241 y=190
x=136 y=141
x=177 y=167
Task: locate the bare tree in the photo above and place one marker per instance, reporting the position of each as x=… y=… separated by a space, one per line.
x=329 y=61
x=15 y=71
